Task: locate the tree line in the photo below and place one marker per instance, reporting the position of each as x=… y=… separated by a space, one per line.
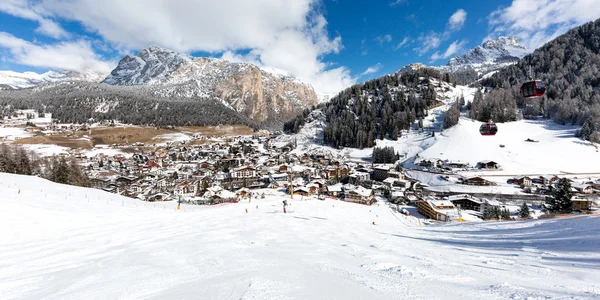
x=385 y=155
x=569 y=65
x=377 y=109
x=15 y=159
x=83 y=102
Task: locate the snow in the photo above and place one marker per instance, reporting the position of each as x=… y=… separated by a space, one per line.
x=63 y=242
x=46 y=150
x=13 y=133
x=518 y=157
x=31 y=79
x=173 y=137
x=101 y=149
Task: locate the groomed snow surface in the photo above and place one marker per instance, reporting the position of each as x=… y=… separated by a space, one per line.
x=556 y=150
x=63 y=242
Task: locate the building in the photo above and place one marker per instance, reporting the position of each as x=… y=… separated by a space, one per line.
x=584 y=188
x=488 y=165
x=430 y=163
x=466 y=202
x=381 y=173
x=581 y=204
x=243 y=172
x=456 y=164
x=334 y=190
x=522 y=181
x=477 y=181
x=441 y=210
x=359 y=195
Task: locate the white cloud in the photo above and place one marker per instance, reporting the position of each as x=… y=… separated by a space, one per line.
x=73 y=56
x=372 y=69
x=457 y=20
x=397 y=2
x=537 y=22
x=452 y=50
x=429 y=42
x=384 y=38
x=405 y=42
x=287 y=35
x=23 y=9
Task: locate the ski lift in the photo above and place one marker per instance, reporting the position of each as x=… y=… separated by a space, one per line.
x=488 y=129
x=533 y=89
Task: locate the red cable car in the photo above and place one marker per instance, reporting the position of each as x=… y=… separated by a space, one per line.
x=533 y=89
x=488 y=129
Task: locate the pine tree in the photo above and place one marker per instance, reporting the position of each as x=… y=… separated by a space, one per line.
x=524 y=211
x=61 y=172
x=560 y=199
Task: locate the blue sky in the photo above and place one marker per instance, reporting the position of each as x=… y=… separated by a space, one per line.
x=328 y=43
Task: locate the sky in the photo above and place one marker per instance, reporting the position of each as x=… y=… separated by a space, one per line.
x=330 y=44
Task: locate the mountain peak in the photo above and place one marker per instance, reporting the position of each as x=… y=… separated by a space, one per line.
x=504 y=49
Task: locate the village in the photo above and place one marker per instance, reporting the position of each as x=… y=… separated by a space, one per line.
x=229 y=169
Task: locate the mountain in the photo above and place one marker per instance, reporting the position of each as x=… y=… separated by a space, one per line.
x=499 y=51
x=16 y=80
x=259 y=95
x=568 y=65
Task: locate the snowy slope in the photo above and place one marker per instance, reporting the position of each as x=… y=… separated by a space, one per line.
x=501 y=50
x=31 y=79
x=558 y=150
x=61 y=242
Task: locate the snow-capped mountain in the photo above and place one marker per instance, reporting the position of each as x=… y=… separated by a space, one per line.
x=246 y=88
x=502 y=50
x=16 y=80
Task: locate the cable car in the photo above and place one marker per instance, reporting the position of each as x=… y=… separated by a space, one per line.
x=533 y=88
x=489 y=128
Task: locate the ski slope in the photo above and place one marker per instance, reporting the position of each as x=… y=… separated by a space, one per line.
x=557 y=150
x=62 y=242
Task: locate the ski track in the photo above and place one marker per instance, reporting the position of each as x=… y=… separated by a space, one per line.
x=61 y=242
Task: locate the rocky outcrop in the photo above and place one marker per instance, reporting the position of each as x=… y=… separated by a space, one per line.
x=245 y=88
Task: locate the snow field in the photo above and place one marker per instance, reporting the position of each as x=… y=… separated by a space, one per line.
x=63 y=242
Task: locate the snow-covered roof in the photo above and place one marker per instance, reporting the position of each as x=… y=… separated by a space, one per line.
x=334 y=188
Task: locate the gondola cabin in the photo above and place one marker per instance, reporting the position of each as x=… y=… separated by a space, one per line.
x=488 y=129
x=534 y=88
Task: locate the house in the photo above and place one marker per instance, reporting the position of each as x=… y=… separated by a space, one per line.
x=456 y=164
x=393 y=183
x=430 y=163
x=381 y=172
x=477 y=181
x=441 y=210
x=359 y=195
x=302 y=191
x=279 y=179
x=584 y=188
x=488 y=165
x=581 y=204
x=359 y=177
x=521 y=181
x=334 y=190
x=467 y=202
x=243 y=172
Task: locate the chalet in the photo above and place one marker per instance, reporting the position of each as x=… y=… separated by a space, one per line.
x=334 y=190
x=243 y=172
x=396 y=175
x=430 y=163
x=337 y=172
x=521 y=181
x=456 y=164
x=283 y=169
x=279 y=179
x=393 y=183
x=488 y=165
x=584 y=188
x=302 y=191
x=438 y=210
x=359 y=195
x=477 y=181
x=581 y=204
x=467 y=202
x=380 y=173
x=313 y=189
x=359 y=177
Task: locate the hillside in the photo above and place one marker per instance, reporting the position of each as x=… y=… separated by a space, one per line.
x=82 y=102
x=569 y=67
x=16 y=80
x=555 y=151
x=62 y=242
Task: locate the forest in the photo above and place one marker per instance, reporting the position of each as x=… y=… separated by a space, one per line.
x=377 y=109
x=16 y=160
x=569 y=65
x=85 y=102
